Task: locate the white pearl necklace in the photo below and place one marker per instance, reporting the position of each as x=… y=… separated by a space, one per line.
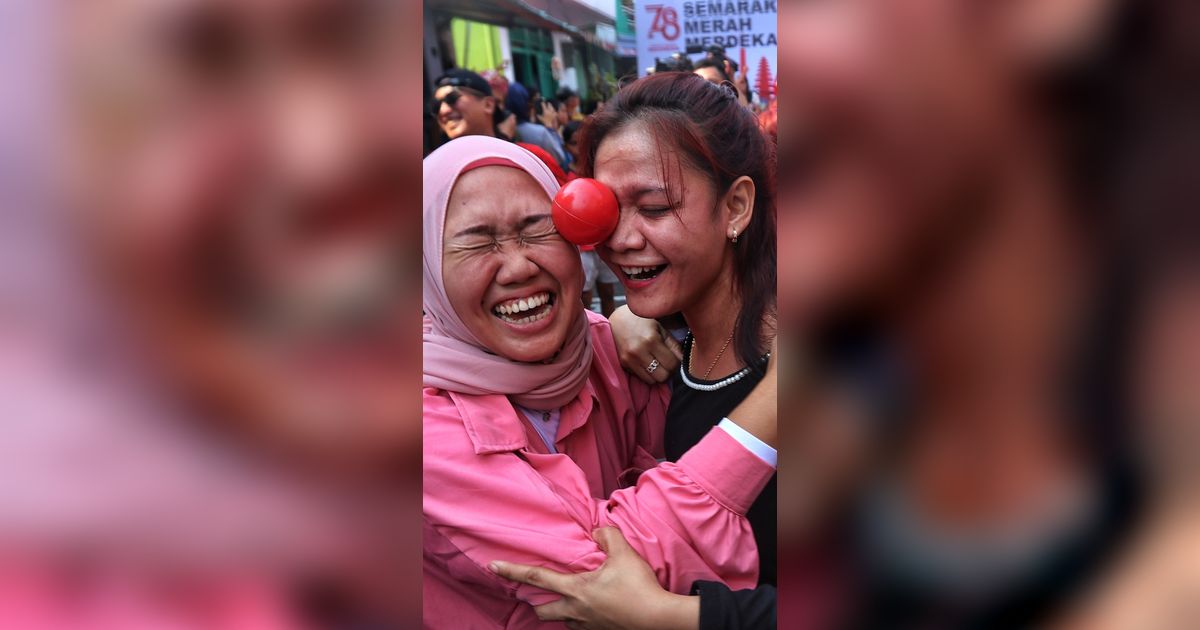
x=712 y=387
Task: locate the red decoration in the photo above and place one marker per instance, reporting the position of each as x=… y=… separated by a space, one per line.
x=585 y=211
x=763 y=83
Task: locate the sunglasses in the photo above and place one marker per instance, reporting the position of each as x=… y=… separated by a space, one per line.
x=452 y=97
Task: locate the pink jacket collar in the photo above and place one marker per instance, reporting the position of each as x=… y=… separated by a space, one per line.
x=495 y=431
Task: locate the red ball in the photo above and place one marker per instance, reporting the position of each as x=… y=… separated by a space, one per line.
x=585 y=211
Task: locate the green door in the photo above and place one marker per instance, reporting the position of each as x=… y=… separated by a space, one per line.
x=532 y=50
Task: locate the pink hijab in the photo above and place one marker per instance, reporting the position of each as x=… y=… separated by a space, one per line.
x=454 y=359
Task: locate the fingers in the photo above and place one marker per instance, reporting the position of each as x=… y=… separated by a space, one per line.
x=558 y=610
x=674 y=346
x=612 y=542
x=642 y=343
x=660 y=373
x=668 y=352
x=638 y=360
x=540 y=577
x=636 y=364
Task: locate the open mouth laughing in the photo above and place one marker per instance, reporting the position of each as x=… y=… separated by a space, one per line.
x=452 y=122
x=642 y=273
x=526 y=310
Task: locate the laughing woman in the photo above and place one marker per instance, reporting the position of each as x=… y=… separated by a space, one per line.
x=532 y=432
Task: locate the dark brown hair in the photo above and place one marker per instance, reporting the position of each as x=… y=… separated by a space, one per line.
x=714 y=133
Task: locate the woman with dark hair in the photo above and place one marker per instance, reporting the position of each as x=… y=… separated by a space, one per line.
x=695 y=178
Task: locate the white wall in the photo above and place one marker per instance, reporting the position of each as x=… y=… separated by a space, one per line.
x=506 y=53
x=568 y=78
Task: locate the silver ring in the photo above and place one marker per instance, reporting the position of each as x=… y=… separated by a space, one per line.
x=653 y=366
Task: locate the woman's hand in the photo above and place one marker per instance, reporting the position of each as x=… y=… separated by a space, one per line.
x=641 y=342
x=622 y=594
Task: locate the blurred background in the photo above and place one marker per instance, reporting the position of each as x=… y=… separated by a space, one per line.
x=988 y=289
x=209 y=314
x=577 y=53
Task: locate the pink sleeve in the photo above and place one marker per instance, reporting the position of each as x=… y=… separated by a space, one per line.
x=687 y=519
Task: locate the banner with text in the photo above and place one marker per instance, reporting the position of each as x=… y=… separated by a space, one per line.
x=748 y=30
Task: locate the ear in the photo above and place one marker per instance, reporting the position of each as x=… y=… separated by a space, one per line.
x=738 y=205
x=489 y=104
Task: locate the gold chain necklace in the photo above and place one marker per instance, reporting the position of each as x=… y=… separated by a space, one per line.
x=720 y=354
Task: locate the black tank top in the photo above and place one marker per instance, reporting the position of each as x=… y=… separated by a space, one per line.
x=690 y=417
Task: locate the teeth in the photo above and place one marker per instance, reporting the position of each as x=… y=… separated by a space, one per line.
x=528 y=319
x=521 y=305
x=633 y=271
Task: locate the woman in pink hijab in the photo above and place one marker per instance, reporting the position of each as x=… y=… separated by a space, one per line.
x=534 y=436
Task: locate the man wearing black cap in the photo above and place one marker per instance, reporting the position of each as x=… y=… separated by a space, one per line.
x=464 y=105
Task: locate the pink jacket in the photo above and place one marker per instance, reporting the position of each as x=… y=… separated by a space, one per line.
x=492 y=491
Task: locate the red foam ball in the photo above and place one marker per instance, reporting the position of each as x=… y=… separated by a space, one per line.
x=585 y=211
